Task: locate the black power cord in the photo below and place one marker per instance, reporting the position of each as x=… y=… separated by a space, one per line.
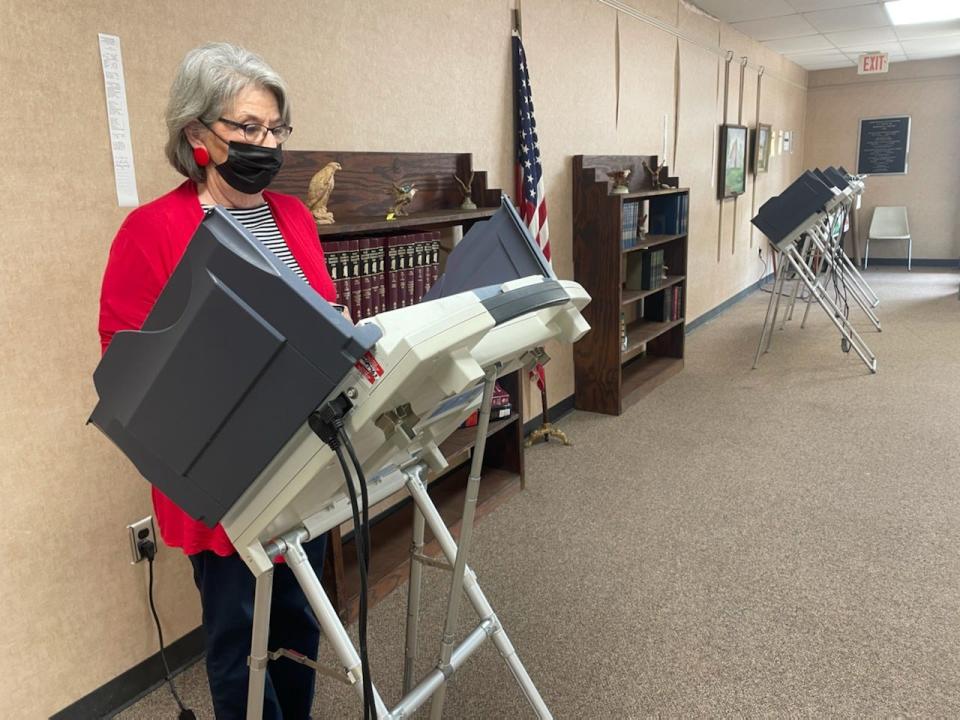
x=327 y=423
x=364 y=529
x=149 y=551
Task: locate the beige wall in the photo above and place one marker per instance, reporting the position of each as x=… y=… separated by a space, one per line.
x=929 y=92
x=427 y=75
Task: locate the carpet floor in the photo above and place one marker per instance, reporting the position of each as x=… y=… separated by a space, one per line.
x=780 y=542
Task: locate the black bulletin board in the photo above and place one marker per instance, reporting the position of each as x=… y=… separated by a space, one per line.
x=883 y=145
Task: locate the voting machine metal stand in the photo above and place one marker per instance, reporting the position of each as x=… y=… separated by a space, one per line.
x=805 y=225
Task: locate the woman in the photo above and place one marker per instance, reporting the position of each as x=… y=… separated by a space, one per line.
x=227 y=116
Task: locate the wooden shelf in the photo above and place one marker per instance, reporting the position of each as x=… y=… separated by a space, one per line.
x=461 y=442
x=652 y=241
x=643 y=374
x=631 y=296
x=427 y=219
x=641 y=194
x=604 y=372
x=641 y=332
x=390 y=538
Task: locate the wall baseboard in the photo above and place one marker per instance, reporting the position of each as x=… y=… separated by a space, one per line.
x=126 y=689
x=917 y=262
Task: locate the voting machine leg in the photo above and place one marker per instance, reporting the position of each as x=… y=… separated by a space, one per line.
x=466 y=535
x=413 y=600
x=832 y=255
x=463 y=580
x=807 y=252
x=333 y=629
x=258 y=644
x=851 y=339
x=770 y=319
x=475 y=595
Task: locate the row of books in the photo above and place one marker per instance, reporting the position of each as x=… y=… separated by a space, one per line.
x=634 y=224
x=665 y=306
x=646 y=272
x=500 y=407
x=668 y=214
x=376 y=274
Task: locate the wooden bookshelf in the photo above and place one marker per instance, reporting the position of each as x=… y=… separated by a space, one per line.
x=360 y=201
x=615 y=367
x=631 y=296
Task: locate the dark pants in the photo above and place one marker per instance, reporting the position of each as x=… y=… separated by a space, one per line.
x=226 y=593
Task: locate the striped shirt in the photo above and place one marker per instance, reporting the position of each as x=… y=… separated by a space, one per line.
x=259 y=221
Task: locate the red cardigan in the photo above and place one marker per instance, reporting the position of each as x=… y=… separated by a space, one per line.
x=144 y=253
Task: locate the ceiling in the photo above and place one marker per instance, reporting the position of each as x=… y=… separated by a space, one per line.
x=821 y=34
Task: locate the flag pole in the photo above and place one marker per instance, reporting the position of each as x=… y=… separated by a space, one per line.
x=546 y=429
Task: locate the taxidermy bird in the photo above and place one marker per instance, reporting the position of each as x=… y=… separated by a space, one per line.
x=619 y=178
x=402 y=197
x=318 y=194
x=655 y=180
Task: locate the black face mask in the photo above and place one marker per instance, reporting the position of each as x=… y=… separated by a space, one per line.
x=250 y=168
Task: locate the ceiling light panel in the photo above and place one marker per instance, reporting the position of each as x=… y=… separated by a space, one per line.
x=908 y=12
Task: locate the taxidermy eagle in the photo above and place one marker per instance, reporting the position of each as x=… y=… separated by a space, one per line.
x=318 y=194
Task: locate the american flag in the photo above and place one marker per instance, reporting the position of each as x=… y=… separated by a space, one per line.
x=530 y=195
x=531 y=200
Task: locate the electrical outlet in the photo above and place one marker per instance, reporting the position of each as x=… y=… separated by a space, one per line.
x=139 y=532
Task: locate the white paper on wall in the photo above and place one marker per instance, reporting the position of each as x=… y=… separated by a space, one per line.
x=118 y=120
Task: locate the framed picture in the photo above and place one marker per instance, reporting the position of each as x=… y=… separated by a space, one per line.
x=733 y=160
x=883 y=145
x=761 y=149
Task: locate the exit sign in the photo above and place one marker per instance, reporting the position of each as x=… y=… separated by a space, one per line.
x=870 y=63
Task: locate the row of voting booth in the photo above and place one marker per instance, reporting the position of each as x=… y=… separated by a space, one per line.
x=805 y=225
x=249 y=401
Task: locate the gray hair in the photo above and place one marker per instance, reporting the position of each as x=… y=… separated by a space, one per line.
x=208 y=80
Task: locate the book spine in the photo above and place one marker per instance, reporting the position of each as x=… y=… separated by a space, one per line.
x=402 y=271
x=366 y=279
x=340 y=263
x=379 y=256
x=408 y=270
x=435 y=261
x=646 y=274
x=356 y=287
x=418 y=265
x=331 y=259
x=393 y=274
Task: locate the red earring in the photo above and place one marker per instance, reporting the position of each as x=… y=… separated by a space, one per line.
x=201 y=156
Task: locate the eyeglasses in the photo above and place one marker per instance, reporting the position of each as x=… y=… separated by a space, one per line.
x=255 y=133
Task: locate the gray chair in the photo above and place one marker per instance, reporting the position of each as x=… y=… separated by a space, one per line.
x=889 y=223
